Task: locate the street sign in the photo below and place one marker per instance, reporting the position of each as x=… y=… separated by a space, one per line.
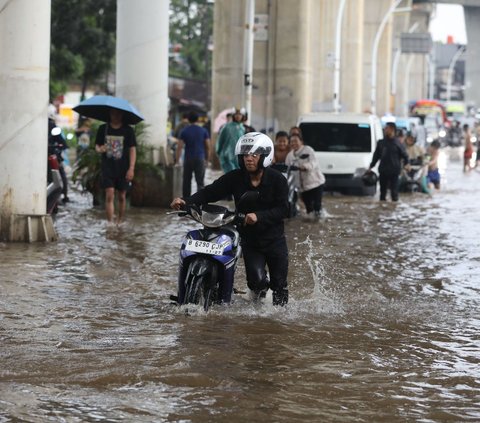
x=260 y=27
x=416 y=42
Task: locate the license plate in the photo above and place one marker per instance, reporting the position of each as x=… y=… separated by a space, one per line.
x=204 y=247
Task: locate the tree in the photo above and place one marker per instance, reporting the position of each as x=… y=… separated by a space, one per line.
x=82 y=43
x=191 y=27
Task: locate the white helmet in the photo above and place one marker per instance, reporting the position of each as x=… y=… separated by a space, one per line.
x=255 y=143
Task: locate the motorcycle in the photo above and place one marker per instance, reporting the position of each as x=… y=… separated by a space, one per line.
x=54 y=177
x=288 y=172
x=413 y=180
x=209 y=256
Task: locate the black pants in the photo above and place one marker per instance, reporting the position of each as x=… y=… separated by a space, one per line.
x=313 y=199
x=388 y=181
x=275 y=256
x=61 y=169
x=190 y=167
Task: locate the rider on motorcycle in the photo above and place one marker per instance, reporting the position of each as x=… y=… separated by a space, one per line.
x=262 y=234
x=56 y=146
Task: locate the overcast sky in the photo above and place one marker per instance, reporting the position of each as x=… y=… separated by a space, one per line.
x=449 y=20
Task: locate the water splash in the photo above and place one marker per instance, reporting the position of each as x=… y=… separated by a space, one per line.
x=324 y=297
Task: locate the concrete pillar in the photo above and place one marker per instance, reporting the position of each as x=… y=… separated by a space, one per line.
x=227 y=58
x=472 y=86
x=142 y=64
x=351 y=69
x=24 y=76
x=352 y=72
x=374 y=13
x=293 y=71
x=293 y=67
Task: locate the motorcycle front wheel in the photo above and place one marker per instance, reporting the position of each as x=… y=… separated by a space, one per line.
x=201 y=288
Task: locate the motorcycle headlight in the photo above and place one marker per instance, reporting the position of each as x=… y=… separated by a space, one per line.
x=442 y=133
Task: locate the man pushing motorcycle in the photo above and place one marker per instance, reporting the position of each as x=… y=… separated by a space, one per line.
x=263 y=233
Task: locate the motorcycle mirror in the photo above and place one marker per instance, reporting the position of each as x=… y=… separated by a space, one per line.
x=56 y=131
x=248 y=201
x=304 y=156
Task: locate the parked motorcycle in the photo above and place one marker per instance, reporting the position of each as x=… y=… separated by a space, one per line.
x=54 y=177
x=56 y=146
x=209 y=256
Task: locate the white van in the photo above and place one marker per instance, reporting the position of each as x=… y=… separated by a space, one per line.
x=344 y=145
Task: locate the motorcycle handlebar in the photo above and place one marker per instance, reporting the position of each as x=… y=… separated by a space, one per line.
x=186 y=210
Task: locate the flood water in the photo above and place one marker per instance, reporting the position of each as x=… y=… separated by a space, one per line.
x=383 y=323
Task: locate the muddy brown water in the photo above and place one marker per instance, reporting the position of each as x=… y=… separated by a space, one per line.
x=382 y=326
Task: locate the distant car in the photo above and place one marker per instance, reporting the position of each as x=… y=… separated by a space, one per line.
x=344 y=144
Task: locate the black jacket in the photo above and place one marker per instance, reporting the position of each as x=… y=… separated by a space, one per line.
x=390 y=152
x=271 y=207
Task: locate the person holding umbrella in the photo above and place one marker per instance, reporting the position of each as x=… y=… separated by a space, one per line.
x=117 y=143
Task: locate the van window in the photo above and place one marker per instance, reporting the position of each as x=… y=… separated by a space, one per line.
x=337 y=137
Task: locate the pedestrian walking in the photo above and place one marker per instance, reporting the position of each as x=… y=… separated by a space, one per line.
x=196 y=142
x=468 y=151
x=117 y=143
x=176 y=134
x=309 y=179
x=282 y=147
x=390 y=152
x=295 y=130
x=227 y=139
x=433 y=174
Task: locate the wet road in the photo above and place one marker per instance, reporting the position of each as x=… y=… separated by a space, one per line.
x=383 y=323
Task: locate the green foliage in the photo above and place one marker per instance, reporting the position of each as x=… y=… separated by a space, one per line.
x=88 y=165
x=191 y=27
x=84 y=33
x=82 y=42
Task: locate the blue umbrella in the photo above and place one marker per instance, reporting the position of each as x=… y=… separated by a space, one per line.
x=99 y=106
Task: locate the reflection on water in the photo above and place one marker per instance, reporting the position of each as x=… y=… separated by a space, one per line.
x=382 y=325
